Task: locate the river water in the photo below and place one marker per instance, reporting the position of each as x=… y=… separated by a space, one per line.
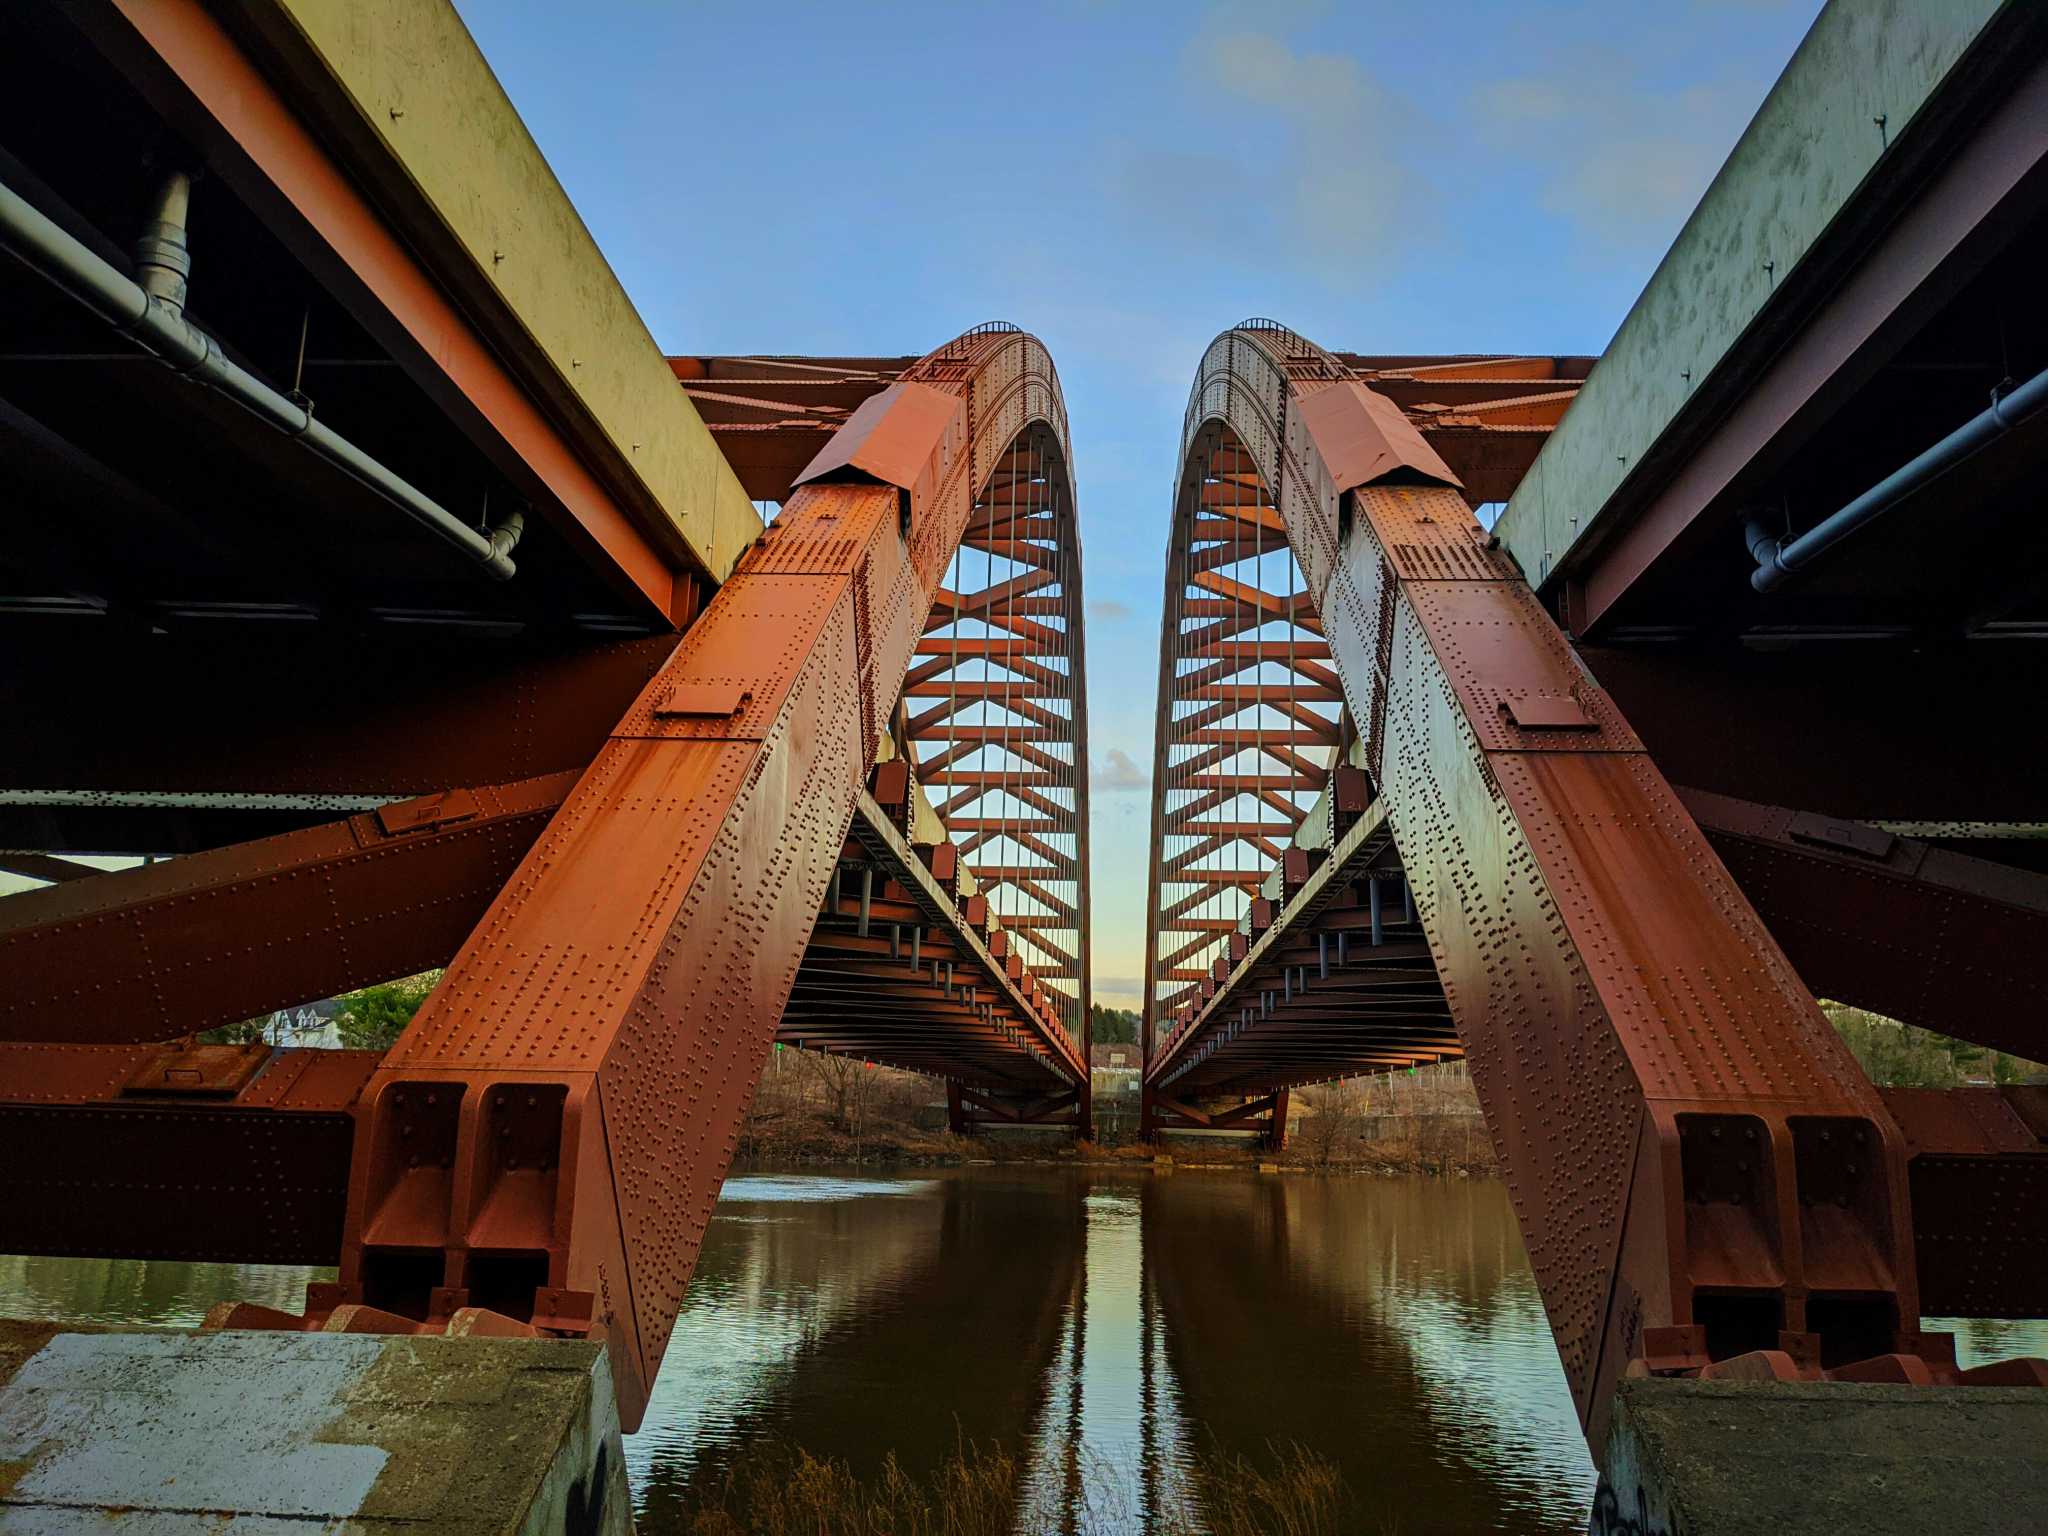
x=1106 y=1326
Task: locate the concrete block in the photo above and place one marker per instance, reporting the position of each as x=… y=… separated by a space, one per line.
x=1722 y=1458
x=168 y=1431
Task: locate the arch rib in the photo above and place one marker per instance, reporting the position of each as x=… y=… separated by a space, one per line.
x=547 y=1139
x=1669 y=1104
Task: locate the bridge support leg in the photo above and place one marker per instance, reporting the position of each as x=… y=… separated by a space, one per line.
x=1702 y=1170
x=546 y=1141
x=1275 y=1137
x=957 y=1120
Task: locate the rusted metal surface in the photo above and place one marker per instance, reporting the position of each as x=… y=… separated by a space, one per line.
x=1262 y=1113
x=910 y=969
x=219 y=1154
x=289 y=729
x=773 y=415
x=559 y=1116
x=625 y=937
x=1486 y=418
x=1326 y=975
x=188 y=944
x=1252 y=723
x=1700 y=1169
x=1979 y=1170
x=1909 y=930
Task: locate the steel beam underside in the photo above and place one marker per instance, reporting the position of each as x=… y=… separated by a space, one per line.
x=1325 y=977
x=214 y=94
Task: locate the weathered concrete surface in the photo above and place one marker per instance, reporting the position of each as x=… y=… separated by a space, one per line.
x=1811 y=147
x=253 y=1432
x=1720 y=1458
x=403 y=84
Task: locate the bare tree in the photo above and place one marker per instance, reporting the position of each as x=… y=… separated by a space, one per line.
x=846 y=1081
x=1331 y=1126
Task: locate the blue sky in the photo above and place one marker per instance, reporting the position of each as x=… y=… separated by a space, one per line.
x=1126 y=180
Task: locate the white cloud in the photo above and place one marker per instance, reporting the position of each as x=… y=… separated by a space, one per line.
x=1624 y=161
x=1117 y=772
x=1330 y=201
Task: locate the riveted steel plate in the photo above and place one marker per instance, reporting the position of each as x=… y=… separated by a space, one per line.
x=426 y=812
x=1547 y=712
x=638 y=959
x=1498 y=647
x=1609 y=981
x=711 y=701
x=772 y=621
x=198 y=1071
x=211 y=938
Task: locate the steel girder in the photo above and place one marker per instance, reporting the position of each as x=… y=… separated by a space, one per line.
x=291 y=729
x=1700 y=1170
x=584 y=1066
x=1326 y=975
x=190 y=944
x=1253 y=730
x=1913 y=931
x=772 y=415
x=544 y=1144
x=173 y=1149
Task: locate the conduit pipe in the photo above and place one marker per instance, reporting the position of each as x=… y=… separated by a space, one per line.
x=1779 y=561
x=152 y=313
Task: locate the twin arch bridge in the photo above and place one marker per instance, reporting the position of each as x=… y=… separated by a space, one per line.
x=402 y=622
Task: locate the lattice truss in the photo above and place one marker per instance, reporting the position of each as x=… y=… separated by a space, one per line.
x=1255 y=719
x=991 y=710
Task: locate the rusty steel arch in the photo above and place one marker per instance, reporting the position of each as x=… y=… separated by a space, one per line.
x=1704 y=1179
x=846 y=810
x=1246 y=730
x=640 y=959
x=994 y=707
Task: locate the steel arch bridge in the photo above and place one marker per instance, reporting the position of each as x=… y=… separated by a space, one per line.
x=845 y=810
x=1396 y=819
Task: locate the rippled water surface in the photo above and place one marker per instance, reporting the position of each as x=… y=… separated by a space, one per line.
x=1104 y=1325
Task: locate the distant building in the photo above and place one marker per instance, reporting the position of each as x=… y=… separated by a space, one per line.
x=1113 y=1057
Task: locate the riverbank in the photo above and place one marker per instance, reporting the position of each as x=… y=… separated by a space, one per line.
x=816 y=1112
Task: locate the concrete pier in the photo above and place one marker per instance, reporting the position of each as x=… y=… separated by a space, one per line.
x=253 y=1433
x=1726 y=1458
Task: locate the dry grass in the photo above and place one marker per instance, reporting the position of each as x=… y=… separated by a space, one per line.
x=1298 y=1494
x=777 y=1489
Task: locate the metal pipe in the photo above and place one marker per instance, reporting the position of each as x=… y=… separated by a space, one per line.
x=1778 y=561
x=152 y=314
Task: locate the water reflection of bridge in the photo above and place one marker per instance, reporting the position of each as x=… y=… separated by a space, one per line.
x=1111 y=1326
x=882 y=1320
x=1397 y=1327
